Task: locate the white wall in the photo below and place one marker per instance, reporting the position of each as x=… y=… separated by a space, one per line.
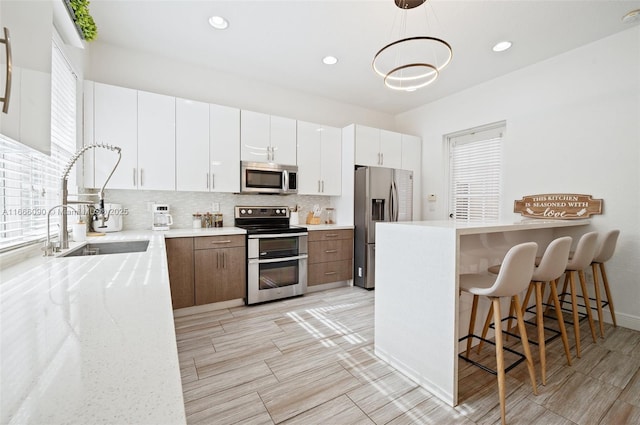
x=573 y=125
x=123 y=67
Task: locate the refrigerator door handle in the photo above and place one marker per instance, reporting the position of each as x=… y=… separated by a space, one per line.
x=391 y=203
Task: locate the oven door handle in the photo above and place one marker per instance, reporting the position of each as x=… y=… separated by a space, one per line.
x=277 y=235
x=277 y=260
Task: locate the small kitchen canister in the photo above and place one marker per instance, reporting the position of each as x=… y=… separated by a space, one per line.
x=79 y=231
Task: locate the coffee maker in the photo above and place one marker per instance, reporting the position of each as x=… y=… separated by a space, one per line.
x=160 y=217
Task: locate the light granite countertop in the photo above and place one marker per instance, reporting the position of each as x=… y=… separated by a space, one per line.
x=90 y=340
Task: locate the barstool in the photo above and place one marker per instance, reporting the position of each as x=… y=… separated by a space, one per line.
x=514 y=276
x=607 y=245
x=585 y=252
x=551 y=267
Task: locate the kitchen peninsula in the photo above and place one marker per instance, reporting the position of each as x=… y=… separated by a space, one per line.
x=419 y=313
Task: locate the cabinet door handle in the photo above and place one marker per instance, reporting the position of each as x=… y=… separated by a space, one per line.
x=381 y=159
x=7 y=85
x=207 y=180
x=331 y=235
x=318 y=186
x=322 y=186
x=331 y=251
x=141 y=178
x=226 y=241
x=135 y=174
x=329 y=273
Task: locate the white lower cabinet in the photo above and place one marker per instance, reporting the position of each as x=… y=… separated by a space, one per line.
x=319 y=159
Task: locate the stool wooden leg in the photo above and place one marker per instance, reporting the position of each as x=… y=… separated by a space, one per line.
x=574 y=306
x=500 y=358
x=472 y=323
x=605 y=282
x=485 y=328
x=525 y=344
x=563 y=330
x=585 y=294
x=596 y=285
x=540 y=325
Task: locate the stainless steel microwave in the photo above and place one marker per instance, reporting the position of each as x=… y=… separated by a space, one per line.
x=263 y=177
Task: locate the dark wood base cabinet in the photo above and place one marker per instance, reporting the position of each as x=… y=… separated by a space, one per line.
x=330 y=256
x=180 y=262
x=206 y=269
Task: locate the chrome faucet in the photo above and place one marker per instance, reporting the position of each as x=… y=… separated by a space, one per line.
x=49 y=247
x=100 y=211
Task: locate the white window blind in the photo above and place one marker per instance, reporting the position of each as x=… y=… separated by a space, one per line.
x=30 y=180
x=475 y=163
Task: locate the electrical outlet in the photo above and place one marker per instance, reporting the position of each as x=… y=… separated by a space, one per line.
x=150 y=205
x=431 y=197
x=215 y=207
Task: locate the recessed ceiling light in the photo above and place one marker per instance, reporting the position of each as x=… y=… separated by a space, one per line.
x=330 y=60
x=631 y=17
x=218 y=22
x=502 y=46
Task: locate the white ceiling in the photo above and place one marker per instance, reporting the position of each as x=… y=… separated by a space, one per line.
x=283 y=42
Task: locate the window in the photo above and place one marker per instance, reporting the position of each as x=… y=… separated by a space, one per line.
x=475 y=163
x=30 y=180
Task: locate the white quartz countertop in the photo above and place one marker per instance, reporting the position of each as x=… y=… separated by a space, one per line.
x=212 y=231
x=312 y=227
x=90 y=340
x=469 y=228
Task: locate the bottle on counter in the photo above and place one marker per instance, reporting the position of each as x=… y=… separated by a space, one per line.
x=330 y=216
x=217 y=220
x=197 y=220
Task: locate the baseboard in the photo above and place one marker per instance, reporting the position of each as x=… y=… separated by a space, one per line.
x=624 y=320
x=418 y=378
x=325 y=286
x=207 y=307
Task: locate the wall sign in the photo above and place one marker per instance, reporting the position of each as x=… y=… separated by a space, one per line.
x=558 y=206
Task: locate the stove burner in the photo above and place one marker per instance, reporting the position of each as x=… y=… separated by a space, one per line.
x=264 y=220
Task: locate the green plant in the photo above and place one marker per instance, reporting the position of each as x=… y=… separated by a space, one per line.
x=83 y=19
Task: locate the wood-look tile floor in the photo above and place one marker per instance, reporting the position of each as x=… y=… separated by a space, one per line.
x=310 y=360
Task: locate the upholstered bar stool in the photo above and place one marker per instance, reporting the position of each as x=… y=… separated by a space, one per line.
x=513 y=278
x=606 y=247
x=551 y=267
x=582 y=258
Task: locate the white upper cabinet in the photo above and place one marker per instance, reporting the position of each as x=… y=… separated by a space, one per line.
x=156 y=141
x=142 y=124
x=319 y=159
x=390 y=149
x=28 y=118
x=192 y=146
x=378 y=148
x=411 y=153
x=115 y=122
x=267 y=138
x=225 y=148
x=367 y=146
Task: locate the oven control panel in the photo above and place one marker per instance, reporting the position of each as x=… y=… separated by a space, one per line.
x=261 y=212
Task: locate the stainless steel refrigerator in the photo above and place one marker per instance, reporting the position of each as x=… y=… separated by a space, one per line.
x=381 y=194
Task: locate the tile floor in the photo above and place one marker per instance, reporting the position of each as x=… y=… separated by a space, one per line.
x=310 y=360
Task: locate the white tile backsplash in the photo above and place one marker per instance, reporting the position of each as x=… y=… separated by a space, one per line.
x=184 y=204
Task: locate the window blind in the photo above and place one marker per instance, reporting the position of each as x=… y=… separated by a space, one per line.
x=30 y=180
x=475 y=162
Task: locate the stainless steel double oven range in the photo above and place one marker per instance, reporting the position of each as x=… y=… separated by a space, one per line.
x=276 y=253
